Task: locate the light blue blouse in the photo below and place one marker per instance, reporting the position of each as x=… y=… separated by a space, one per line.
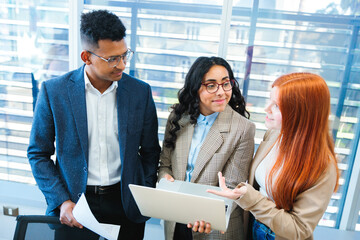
x=201 y=129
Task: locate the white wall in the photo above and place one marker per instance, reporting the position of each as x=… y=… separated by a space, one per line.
x=27 y=198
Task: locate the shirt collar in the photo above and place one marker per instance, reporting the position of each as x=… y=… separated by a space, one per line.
x=88 y=84
x=208 y=120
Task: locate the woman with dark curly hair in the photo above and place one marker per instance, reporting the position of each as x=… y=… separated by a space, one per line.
x=207 y=132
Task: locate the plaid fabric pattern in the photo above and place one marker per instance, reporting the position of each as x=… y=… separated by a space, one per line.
x=228 y=147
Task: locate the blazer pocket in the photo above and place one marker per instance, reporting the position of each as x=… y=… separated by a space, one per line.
x=219 y=155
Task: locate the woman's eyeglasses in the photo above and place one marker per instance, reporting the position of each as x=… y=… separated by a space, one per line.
x=214 y=87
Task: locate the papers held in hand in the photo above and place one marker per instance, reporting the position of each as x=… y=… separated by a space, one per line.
x=183 y=202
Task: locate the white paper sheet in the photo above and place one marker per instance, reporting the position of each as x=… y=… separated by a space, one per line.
x=84 y=216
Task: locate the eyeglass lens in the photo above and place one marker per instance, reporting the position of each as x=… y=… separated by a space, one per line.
x=214 y=87
x=114 y=61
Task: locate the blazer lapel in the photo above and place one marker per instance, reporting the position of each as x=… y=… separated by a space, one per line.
x=122 y=101
x=76 y=92
x=183 y=147
x=213 y=141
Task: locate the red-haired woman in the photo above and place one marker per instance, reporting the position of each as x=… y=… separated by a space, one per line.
x=294 y=172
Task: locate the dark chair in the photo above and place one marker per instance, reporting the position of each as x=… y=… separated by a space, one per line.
x=39 y=227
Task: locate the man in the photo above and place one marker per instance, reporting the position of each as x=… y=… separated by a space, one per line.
x=104 y=126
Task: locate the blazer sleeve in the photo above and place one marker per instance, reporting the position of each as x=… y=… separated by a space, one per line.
x=165 y=156
x=150 y=149
x=308 y=208
x=41 y=148
x=237 y=167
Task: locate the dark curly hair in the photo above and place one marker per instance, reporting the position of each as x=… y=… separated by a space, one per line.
x=99 y=25
x=189 y=99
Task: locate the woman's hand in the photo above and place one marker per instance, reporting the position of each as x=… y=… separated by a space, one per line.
x=226 y=192
x=200 y=227
x=169 y=177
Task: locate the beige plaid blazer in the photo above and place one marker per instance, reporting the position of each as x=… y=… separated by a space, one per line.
x=228 y=147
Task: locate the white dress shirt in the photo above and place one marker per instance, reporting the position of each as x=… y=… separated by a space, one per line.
x=104 y=153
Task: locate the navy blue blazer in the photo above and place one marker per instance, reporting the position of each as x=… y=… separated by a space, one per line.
x=60 y=116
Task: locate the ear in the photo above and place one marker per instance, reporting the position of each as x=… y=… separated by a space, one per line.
x=85 y=56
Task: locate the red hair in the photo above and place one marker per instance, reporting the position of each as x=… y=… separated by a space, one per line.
x=305 y=146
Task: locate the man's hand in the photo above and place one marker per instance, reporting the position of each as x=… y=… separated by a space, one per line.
x=66 y=216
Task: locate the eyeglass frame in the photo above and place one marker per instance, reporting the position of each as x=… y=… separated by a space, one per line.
x=122 y=57
x=231 y=81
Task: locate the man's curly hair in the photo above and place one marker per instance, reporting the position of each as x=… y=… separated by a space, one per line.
x=99 y=25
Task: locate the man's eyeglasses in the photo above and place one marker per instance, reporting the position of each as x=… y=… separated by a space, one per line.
x=214 y=87
x=115 y=60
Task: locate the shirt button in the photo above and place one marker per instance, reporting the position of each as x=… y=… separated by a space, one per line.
x=85 y=169
x=79 y=195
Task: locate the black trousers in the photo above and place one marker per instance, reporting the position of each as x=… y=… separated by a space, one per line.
x=107 y=208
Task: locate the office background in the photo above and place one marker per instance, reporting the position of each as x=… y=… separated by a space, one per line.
x=262 y=39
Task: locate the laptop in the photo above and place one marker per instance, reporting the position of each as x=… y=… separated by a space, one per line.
x=183 y=202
